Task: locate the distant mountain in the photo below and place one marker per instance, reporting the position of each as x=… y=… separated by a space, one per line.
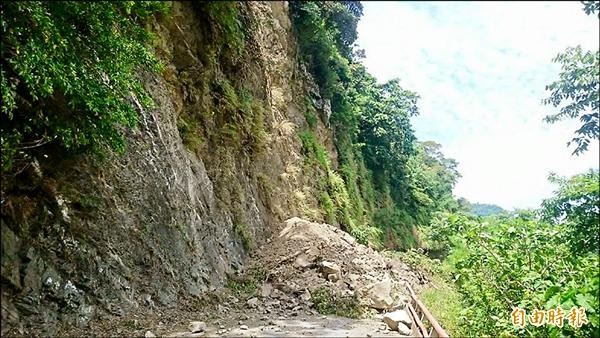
x=482 y=209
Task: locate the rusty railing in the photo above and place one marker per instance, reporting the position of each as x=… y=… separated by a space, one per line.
x=422 y=318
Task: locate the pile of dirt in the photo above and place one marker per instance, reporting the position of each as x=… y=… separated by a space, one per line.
x=306 y=256
x=278 y=292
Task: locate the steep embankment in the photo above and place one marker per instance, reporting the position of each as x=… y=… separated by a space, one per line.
x=206 y=176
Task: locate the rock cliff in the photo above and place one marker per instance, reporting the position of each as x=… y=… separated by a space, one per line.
x=191 y=197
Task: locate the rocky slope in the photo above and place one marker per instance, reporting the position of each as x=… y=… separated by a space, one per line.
x=165 y=222
x=282 y=288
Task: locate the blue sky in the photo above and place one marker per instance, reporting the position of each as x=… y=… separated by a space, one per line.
x=481 y=69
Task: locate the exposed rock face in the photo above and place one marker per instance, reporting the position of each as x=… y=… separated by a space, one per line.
x=82 y=238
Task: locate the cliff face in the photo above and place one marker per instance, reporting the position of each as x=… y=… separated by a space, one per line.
x=192 y=196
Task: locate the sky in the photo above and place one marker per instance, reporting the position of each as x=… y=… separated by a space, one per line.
x=481 y=69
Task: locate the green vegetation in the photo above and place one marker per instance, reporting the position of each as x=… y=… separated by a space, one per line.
x=521 y=260
x=240 y=116
x=314 y=150
x=241 y=229
x=326 y=302
x=243 y=287
x=576 y=203
x=189 y=130
x=227 y=36
x=577 y=91
x=310 y=115
x=440 y=294
x=482 y=209
x=68 y=74
x=247 y=285
x=387 y=182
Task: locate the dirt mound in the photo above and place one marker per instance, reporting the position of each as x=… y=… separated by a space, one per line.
x=306 y=257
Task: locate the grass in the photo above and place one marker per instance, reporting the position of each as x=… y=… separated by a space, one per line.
x=310 y=114
x=327 y=204
x=246 y=287
x=314 y=150
x=440 y=296
x=189 y=130
x=444 y=302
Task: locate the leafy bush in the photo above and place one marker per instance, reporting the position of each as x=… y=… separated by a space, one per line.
x=314 y=150
x=326 y=302
x=577 y=201
x=504 y=262
x=240 y=117
x=68 y=73
x=227 y=34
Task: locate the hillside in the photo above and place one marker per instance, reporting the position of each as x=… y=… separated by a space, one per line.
x=123 y=196
x=233 y=168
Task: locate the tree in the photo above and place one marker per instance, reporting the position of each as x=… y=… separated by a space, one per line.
x=482 y=209
x=432 y=178
x=68 y=73
x=591 y=7
x=578 y=90
x=577 y=204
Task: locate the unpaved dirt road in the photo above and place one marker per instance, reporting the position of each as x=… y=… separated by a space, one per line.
x=308 y=326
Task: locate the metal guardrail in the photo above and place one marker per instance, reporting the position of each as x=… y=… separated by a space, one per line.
x=422 y=318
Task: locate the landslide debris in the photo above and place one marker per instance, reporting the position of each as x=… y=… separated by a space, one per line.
x=307 y=259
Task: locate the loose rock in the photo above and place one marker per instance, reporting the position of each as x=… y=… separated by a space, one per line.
x=252 y=302
x=379 y=295
x=265 y=290
x=396 y=321
x=195 y=327
x=330 y=268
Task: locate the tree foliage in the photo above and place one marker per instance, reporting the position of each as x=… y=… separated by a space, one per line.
x=591 y=7
x=68 y=73
x=373 y=132
x=577 y=203
x=523 y=260
x=484 y=209
x=577 y=91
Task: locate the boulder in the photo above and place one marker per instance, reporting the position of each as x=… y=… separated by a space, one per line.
x=379 y=295
x=333 y=277
x=195 y=327
x=398 y=316
x=404 y=330
x=399 y=321
x=302 y=261
x=305 y=296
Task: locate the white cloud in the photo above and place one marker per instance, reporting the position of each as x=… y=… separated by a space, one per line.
x=481 y=69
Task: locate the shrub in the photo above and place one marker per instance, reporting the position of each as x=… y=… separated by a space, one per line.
x=69 y=73
x=326 y=302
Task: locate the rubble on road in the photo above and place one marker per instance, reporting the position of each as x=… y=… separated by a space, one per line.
x=306 y=256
